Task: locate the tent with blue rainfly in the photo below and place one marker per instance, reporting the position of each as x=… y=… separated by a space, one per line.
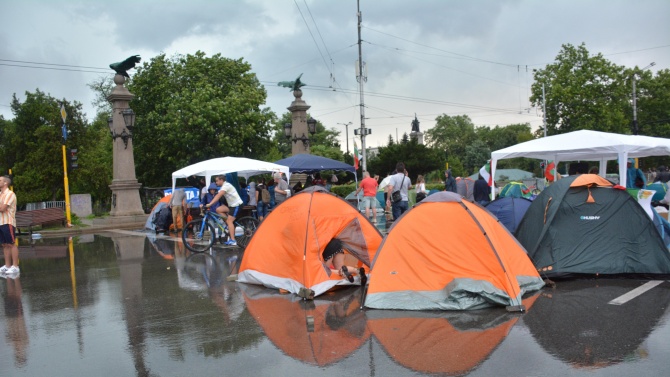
x=509 y=210
x=660 y=188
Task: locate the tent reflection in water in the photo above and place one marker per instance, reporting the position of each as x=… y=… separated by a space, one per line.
x=286 y=250
x=449 y=254
x=579 y=327
x=451 y=343
x=317 y=332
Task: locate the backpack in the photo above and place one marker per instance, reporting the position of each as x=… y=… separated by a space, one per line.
x=265 y=195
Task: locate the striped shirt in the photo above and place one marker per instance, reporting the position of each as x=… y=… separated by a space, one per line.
x=9 y=216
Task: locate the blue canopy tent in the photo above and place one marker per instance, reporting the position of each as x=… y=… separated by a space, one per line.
x=309 y=164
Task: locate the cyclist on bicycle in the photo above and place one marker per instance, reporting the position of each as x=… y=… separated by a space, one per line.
x=228 y=212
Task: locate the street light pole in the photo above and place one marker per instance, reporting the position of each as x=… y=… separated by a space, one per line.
x=346 y=131
x=636 y=129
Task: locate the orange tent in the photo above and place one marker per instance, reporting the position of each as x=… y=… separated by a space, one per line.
x=163 y=202
x=318 y=332
x=442 y=342
x=449 y=254
x=286 y=250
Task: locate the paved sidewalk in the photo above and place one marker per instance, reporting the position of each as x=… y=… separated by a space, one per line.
x=89 y=226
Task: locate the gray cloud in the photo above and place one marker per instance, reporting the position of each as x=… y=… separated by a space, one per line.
x=418 y=50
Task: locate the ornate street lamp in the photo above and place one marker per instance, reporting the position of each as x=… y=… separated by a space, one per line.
x=311 y=128
x=311 y=125
x=127 y=133
x=129 y=120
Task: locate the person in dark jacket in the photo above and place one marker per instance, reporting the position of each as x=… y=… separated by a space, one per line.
x=449 y=182
x=482 y=192
x=662 y=175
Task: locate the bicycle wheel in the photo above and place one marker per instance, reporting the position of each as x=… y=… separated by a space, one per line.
x=249 y=226
x=196 y=238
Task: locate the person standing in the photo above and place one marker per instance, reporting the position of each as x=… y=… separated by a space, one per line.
x=482 y=192
x=8 y=228
x=663 y=175
x=449 y=182
x=228 y=212
x=634 y=177
x=262 y=200
x=177 y=204
x=369 y=187
x=420 y=188
x=399 y=182
x=280 y=189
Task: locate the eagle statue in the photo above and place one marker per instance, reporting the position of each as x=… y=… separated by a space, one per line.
x=121 y=68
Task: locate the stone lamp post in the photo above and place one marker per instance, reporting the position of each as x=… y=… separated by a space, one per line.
x=126 y=205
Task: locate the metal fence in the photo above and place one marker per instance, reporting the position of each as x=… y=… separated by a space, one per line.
x=43 y=205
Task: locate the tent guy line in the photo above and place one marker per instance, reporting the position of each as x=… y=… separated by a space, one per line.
x=635 y=292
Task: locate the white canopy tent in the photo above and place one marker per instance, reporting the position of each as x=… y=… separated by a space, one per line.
x=586 y=145
x=244 y=167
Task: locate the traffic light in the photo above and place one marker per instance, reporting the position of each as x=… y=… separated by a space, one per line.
x=542 y=165
x=73 y=159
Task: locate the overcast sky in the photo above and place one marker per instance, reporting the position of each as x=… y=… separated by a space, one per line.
x=428 y=57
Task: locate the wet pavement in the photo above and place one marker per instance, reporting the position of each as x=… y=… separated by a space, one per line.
x=125 y=303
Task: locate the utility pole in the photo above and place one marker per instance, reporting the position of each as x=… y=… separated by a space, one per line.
x=346 y=131
x=361 y=77
x=544 y=121
x=544 y=111
x=636 y=129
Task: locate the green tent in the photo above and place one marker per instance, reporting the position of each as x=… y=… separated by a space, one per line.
x=583 y=225
x=515 y=190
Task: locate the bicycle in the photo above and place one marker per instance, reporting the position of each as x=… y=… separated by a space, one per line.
x=199 y=235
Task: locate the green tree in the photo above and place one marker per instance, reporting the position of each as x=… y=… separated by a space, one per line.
x=653 y=103
x=94 y=174
x=418 y=159
x=502 y=137
x=476 y=155
x=583 y=92
x=192 y=108
x=33 y=145
x=451 y=134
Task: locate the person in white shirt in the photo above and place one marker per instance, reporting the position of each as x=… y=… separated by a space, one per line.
x=399 y=182
x=228 y=212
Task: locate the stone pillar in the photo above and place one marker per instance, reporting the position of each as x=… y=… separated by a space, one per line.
x=417 y=135
x=299 y=109
x=126 y=205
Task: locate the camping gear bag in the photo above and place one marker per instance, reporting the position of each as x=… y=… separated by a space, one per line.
x=395 y=195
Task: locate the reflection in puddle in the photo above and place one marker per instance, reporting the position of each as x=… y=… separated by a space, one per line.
x=572 y=325
x=449 y=342
x=317 y=332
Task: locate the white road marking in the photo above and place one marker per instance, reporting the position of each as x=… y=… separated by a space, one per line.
x=635 y=292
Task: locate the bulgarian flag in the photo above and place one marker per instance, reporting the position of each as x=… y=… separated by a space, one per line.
x=357 y=157
x=485 y=172
x=550 y=171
